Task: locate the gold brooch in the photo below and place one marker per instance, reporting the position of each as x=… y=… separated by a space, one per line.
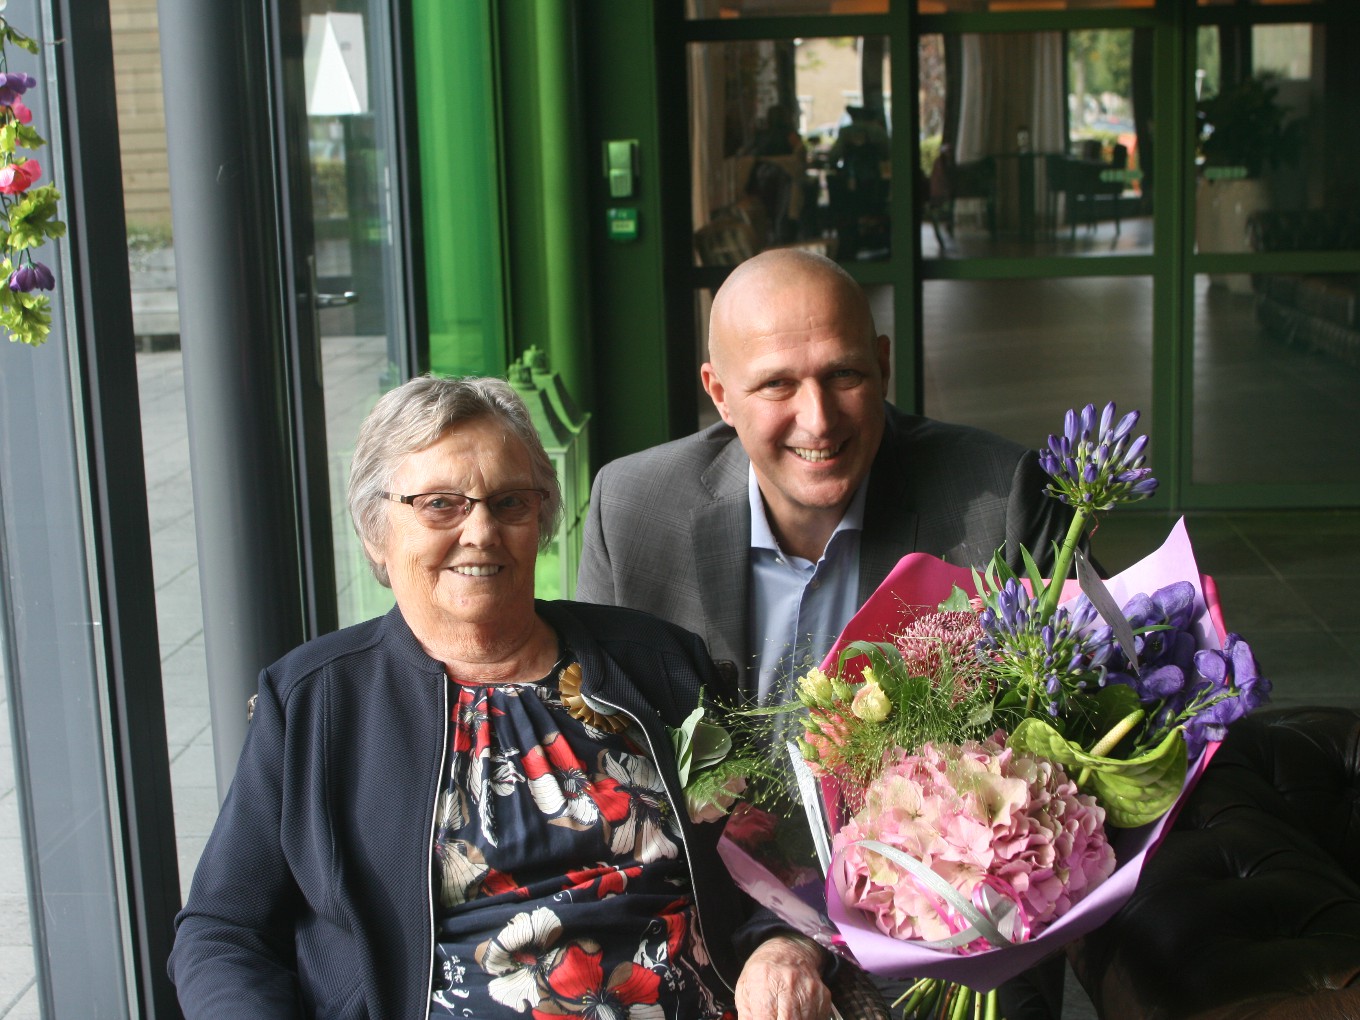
x=569 y=684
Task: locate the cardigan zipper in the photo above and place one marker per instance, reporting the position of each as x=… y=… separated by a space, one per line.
x=429 y=844
x=680 y=825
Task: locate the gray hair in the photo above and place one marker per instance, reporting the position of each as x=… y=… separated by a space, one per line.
x=415 y=415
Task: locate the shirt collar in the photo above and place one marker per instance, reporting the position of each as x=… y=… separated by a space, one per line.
x=763 y=538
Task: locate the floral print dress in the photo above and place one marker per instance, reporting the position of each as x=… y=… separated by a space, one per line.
x=560 y=882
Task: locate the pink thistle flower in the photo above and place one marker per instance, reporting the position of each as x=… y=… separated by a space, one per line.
x=940 y=645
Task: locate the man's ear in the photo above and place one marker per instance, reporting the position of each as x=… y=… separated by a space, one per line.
x=713 y=386
x=883 y=350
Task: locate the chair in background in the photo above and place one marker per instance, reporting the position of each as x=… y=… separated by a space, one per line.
x=951 y=181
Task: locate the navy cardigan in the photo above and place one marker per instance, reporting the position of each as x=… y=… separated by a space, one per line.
x=313 y=895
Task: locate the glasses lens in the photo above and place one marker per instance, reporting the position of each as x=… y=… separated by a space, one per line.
x=515 y=506
x=441 y=509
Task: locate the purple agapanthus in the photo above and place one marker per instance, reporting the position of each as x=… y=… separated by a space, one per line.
x=1051 y=659
x=31 y=277
x=1097 y=463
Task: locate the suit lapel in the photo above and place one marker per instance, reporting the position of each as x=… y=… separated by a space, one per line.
x=889 y=517
x=720 y=538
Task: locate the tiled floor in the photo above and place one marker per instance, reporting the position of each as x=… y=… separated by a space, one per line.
x=1278 y=575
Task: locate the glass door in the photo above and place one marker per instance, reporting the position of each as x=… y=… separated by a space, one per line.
x=345 y=221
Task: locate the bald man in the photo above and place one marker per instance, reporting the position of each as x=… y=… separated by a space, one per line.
x=764 y=533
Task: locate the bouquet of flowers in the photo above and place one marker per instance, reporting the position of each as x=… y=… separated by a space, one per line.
x=988 y=756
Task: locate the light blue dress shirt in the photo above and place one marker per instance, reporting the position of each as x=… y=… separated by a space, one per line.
x=798 y=608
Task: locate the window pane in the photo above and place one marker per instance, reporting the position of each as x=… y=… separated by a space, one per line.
x=1275 y=134
x=972 y=6
x=780 y=8
x=1036 y=143
x=1013 y=355
x=790 y=145
x=1277 y=379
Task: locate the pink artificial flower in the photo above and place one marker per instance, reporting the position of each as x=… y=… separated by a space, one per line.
x=21 y=112
x=975 y=815
x=16 y=178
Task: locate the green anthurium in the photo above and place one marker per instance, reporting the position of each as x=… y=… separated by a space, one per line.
x=682 y=738
x=1133 y=791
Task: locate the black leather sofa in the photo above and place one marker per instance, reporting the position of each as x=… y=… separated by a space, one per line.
x=1250 y=909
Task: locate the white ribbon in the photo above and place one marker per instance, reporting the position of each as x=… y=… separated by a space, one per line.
x=1000 y=913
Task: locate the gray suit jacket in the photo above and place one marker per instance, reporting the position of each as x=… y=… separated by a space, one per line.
x=669 y=528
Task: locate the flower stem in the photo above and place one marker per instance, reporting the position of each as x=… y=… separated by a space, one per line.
x=1063 y=564
x=1107 y=743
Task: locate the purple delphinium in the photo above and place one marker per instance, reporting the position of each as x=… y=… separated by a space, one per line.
x=1204 y=690
x=1051 y=659
x=1228 y=685
x=1095 y=464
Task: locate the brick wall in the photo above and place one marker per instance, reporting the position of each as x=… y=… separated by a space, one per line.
x=141 y=113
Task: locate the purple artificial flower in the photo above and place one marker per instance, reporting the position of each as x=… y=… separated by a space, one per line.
x=31 y=277
x=1094 y=464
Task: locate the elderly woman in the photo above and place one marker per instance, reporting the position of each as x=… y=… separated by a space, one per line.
x=470 y=806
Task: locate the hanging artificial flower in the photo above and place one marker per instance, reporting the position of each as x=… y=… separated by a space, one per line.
x=28 y=211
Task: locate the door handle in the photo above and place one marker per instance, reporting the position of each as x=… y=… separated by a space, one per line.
x=347 y=297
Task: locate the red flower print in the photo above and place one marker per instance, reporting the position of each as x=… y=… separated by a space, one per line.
x=608 y=881
x=578 y=988
x=564 y=791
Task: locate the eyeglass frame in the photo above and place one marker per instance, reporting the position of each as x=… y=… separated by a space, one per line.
x=472 y=502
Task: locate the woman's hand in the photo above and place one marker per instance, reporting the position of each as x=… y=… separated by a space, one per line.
x=782 y=980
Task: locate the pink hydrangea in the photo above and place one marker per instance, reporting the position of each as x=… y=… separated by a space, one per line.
x=973 y=813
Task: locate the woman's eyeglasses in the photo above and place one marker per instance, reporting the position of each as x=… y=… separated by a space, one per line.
x=450 y=509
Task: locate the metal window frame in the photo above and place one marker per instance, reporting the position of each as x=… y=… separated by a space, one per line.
x=82 y=658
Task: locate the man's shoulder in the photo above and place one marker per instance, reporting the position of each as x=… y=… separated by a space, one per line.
x=696 y=450
x=697 y=463
x=906 y=432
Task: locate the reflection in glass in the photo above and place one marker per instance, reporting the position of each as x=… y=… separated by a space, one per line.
x=1275 y=136
x=1012 y=355
x=358 y=279
x=780 y=8
x=1277 y=381
x=1036 y=142
x=996 y=6
x=790 y=145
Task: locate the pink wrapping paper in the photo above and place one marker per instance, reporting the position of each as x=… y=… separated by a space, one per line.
x=918 y=584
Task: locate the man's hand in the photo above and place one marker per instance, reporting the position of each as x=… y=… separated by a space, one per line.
x=782 y=980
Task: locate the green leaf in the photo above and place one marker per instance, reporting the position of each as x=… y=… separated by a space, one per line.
x=9 y=137
x=27 y=319
x=1133 y=791
x=710 y=744
x=682 y=739
x=958 y=602
x=28 y=136
x=33 y=219
x=1036 y=576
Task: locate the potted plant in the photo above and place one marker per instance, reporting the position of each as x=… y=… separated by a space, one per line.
x=1243 y=131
